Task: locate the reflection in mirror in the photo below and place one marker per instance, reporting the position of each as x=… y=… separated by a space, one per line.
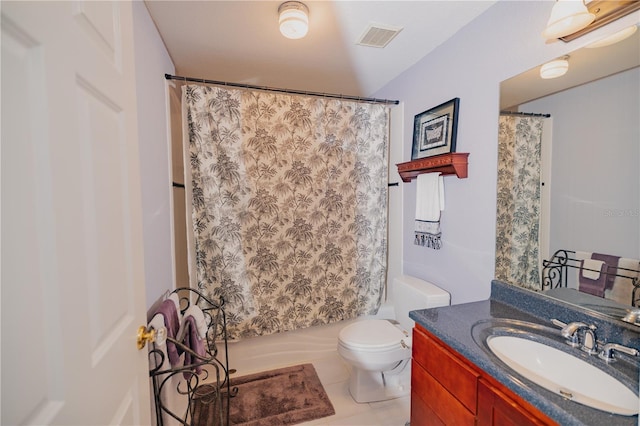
x=588 y=280
x=575 y=188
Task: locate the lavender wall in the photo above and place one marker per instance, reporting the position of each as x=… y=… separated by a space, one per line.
x=502 y=42
x=152 y=62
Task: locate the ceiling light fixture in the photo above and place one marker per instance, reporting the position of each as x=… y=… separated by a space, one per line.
x=293 y=19
x=555 y=68
x=614 y=38
x=567 y=17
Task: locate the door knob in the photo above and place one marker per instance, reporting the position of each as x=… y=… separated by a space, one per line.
x=145 y=336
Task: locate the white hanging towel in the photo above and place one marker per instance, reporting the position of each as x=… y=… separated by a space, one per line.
x=429 y=205
x=591 y=269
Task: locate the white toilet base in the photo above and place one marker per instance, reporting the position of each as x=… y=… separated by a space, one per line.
x=371 y=386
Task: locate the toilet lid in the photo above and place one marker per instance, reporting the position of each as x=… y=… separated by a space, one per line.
x=371 y=334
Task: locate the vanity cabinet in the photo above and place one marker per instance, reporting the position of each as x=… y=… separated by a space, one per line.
x=447 y=389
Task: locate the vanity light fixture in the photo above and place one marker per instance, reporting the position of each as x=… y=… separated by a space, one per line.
x=614 y=38
x=555 y=68
x=567 y=17
x=293 y=19
x=605 y=12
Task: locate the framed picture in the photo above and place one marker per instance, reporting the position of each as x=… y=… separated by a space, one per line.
x=434 y=131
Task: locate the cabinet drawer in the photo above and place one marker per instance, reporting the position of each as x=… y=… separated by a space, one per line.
x=422 y=414
x=451 y=373
x=432 y=399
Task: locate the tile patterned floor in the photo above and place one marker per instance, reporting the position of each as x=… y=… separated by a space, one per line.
x=317 y=345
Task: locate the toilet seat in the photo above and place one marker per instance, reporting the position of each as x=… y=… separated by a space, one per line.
x=371 y=335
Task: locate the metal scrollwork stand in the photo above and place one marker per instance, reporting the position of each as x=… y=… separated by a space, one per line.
x=206 y=378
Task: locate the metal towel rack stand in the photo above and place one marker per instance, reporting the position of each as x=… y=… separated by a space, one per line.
x=210 y=386
x=555 y=273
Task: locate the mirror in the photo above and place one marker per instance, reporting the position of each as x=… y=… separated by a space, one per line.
x=590 y=179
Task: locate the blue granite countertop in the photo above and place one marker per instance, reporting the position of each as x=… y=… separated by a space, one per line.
x=453 y=325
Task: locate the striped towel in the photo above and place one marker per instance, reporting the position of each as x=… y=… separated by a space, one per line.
x=429 y=205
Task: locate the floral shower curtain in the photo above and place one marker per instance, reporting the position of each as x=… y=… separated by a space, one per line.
x=518 y=206
x=289 y=206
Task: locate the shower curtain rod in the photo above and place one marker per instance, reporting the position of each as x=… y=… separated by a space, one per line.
x=274 y=89
x=530 y=114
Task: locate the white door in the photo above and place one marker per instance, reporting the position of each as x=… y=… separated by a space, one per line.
x=72 y=267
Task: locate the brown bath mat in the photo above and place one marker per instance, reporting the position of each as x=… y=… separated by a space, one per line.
x=286 y=396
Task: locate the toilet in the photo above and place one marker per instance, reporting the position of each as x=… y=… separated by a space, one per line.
x=379 y=350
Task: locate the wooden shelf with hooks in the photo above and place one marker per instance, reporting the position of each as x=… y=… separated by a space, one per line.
x=453 y=163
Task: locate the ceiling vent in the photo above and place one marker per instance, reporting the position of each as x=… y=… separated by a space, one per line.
x=377 y=35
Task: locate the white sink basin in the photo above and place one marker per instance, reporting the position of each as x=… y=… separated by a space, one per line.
x=565 y=374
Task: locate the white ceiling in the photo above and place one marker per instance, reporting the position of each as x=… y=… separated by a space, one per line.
x=239 y=41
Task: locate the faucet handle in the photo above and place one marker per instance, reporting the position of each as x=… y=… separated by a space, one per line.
x=576 y=324
x=572 y=339
x=608 y=350
x=632 y=316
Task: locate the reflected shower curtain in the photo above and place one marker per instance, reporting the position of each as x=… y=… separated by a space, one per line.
x=518 y=204
x=289 y=206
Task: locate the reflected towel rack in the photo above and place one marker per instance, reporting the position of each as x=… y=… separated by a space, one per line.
x=555 y=272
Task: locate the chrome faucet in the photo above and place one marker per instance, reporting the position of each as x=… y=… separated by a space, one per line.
x=609 y=349
x=572 y=331
x=589 y=342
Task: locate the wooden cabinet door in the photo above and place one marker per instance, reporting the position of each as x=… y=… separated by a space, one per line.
x=497 y=408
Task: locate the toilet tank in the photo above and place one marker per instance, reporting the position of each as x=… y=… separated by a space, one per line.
x=410 y=294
